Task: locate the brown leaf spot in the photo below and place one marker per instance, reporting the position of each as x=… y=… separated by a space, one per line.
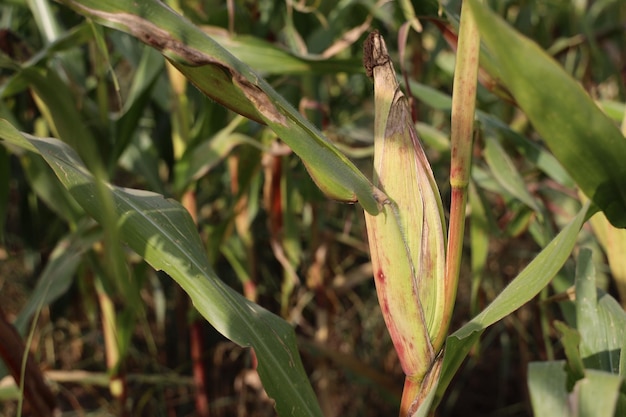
x=164 y=42
x=260 y=100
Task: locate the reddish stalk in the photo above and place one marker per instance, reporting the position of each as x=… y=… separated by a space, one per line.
x=196 y=341
x=12 y=351
x=462 y=128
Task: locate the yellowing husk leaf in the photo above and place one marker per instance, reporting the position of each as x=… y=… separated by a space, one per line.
x=407 y=239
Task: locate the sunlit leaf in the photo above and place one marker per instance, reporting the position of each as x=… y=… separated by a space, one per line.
x=599 y=319
x=581 y=136
x=163 y=233
x=521 y=290
x=547 y=389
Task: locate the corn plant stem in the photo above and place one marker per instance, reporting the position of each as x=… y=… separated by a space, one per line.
x=117 y=381
x=196 y=342
x=545 y=324
x=479 y=242
x=102 y=94
x=462 y=126
x=623 y=124
x=242 y=226
x=16 y=355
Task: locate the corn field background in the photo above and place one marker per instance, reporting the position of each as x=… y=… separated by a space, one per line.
x=193 y=241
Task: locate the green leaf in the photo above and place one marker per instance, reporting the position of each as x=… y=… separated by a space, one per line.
x=613 y=109
x=149 y=68
x=140 y=157
x=198 y=160
x=546 y=386
x=266 y=58
x=531 y=151
x=531 y=280
x=230 y=82
x=70 y=39
x=570 y=340
x=4 y=190
x=163 y=233
x=506 y=174
x=430 y=96
x=600 y=320
x=49 y=189
x=587 y=143
x=479 y=227
x=597 y=394
x=573 y=389
x=58 y=274
x=521 y=290
x=58 y=104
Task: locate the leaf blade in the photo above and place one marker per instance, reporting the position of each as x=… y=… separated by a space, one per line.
x=587 y=143
x=230 y=82
x=163 y=232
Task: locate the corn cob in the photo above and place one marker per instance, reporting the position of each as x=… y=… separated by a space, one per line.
x=407 y=239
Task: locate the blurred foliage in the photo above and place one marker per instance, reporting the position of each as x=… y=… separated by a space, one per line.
x=267 y=229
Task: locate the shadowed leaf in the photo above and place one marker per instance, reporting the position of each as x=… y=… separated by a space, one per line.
x=230 y=82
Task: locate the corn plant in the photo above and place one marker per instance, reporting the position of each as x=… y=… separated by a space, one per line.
x=74 y=151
